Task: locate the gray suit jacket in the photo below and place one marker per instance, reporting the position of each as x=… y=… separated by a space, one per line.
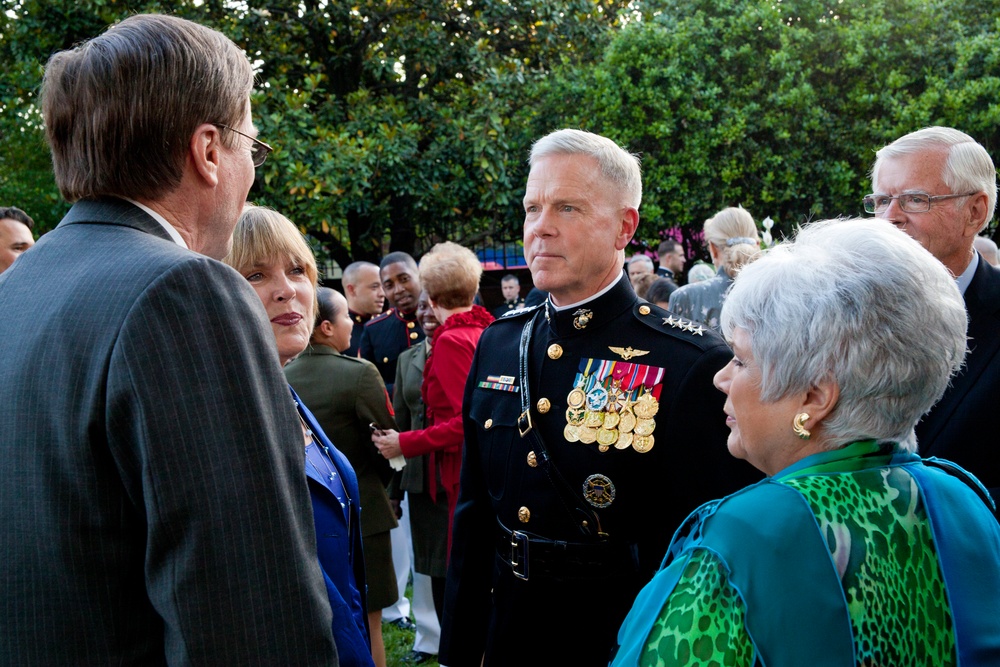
x=153 y=499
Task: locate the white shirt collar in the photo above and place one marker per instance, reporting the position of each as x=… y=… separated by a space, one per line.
x=590 y=298
x=965 y=279
x=174 y=234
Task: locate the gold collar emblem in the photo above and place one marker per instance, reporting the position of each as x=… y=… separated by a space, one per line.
x=582 y=317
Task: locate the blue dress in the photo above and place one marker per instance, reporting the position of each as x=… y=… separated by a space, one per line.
x=333 y=487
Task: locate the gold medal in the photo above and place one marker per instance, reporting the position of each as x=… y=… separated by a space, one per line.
x=642 y=443
x=646 y=407
x=575 y=416
x=626 y=421
x=607 y=436
x=576 y=398
x=645 y=427
x=588 y=436
x=611 y=419
x=593 y=419
x=571 y=433
x=624 y=441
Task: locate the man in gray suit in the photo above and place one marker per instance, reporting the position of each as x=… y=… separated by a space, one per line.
x=153 y=502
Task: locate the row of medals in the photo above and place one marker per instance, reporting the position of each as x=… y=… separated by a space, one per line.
x=630 y=426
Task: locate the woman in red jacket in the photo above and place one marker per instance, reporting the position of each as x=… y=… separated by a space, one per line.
x=450 y=275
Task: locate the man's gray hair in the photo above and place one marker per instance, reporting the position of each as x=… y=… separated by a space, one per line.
x=641 y=259
x=617 y=165
x=859 y=300
x=969 y=167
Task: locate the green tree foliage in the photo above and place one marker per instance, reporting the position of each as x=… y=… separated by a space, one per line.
x=779 y=106
x=390 y=118
x=401 y=122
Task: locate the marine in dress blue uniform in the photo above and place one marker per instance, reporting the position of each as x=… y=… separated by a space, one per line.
x=360 y=320
x=385 y=337
x=638 y=487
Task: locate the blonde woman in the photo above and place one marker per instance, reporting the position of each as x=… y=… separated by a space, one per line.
x=732 y=240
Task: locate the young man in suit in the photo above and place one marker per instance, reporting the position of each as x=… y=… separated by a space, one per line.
x=939 y=186
x=155 y=511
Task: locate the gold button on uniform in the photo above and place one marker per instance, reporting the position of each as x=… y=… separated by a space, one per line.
x=488 y=425
x=524 y=515
x=543 y=405
x=644 y=310
x=385 y=360
x=410 y=325
x=413 y=335
x=532 y=460
x=555 y=351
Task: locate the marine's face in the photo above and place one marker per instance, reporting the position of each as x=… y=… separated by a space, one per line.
x=369 y=299
x=426 y=318
x=343 y=325
x=575 y=227
x=511 y=289
x=15 y=238
x=402 y=286
x=674 y=260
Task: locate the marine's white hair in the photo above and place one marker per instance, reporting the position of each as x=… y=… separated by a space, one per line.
x=617 y=165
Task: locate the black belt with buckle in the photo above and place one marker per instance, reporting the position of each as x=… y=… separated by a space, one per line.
x=531 y=555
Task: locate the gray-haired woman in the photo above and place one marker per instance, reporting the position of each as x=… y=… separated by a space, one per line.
x=853 y=551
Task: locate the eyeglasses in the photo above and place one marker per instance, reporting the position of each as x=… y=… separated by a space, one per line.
x=911 y=202
x=258 y=149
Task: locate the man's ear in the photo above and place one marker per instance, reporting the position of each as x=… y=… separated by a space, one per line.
x=628 y=225
x=205 y=153
x=977 y=213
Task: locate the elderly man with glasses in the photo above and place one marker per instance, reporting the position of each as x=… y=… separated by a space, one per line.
x=939 y=186
x=154 y=505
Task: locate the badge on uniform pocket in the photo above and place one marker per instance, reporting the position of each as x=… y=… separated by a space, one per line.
x=500 y=383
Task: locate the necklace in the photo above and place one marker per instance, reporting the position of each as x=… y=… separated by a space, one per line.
x=322 y=453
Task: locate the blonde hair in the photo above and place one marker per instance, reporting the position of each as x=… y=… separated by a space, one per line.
x=733 y=233
x=263 y=234
x=450 y=275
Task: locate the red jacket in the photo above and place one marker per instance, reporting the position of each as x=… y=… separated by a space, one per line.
x=453 y=344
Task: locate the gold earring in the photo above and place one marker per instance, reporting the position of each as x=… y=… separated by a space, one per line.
x=799 y=425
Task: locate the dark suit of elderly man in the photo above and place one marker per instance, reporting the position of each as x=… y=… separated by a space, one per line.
x=939 y=186
x=154 y=508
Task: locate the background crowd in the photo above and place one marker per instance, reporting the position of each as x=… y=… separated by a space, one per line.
x=225 y=461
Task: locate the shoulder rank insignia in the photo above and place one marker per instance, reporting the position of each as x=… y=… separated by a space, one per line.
x=627 y=353
x=686 y=325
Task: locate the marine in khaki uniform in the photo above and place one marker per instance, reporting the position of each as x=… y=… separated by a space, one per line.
x=592 y=429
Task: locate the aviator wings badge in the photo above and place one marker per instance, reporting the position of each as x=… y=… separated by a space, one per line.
x=627 y=353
